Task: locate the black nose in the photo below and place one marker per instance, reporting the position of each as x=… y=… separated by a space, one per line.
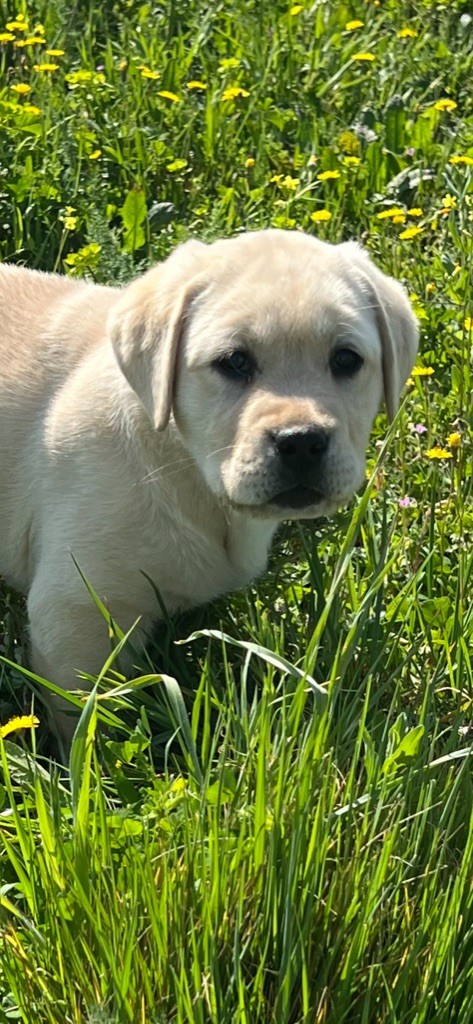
x=300 y=448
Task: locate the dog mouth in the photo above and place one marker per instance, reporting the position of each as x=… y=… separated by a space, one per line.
x=297 y=497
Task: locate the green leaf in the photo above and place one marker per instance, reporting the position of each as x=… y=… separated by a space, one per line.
x=177 y=710
x=407 y=748
x=262 y=652
x=133 y=214
x=395 y=125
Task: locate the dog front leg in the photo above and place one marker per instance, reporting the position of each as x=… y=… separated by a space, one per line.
x=67 y=639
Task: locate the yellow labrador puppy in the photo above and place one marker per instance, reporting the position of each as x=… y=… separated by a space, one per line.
x=168 y=427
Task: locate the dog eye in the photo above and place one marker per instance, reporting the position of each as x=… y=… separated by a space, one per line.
x=237 y=365
x=345 y=362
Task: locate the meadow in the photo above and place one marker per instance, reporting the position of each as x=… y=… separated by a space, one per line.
x=276 y=827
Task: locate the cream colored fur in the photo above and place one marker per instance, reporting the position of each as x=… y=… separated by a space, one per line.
x=122 y=446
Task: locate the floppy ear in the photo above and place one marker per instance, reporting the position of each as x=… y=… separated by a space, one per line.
x=147 y=324
x=397 y=326
x=399 y=333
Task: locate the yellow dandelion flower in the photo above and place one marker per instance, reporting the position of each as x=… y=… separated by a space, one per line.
x=320 y=215
x=438 y=453
x=70 y=223
x=33 y=41
x=18 y=25
x=468 y=323
x=363 y=56
x=55 y=53
x=449 y=204
x=457 y=158
x=406 y=33
x=6 y=37
x=296 y=9
x=250 y=162
x=351 y=161
x=399 y=219
x=29 y=108
x=21 y=89
x=394 y=211
x=17 y=723
x=169 y=96
x=196 y=84
x=95 y=154
x=415 y=212
x=445 y=104
x=234 y=92
x=352 y=25
x=229 y=62
x=409 y=233
x=148 y=73
x=455 y=439
x=45 y=68
x=176 y=165
x=328 y=176
x=289 y=183
x=422 y=371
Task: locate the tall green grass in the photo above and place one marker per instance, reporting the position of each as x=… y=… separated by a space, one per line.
x=276 y=829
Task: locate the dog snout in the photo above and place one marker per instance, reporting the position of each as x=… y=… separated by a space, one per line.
x=300 y=448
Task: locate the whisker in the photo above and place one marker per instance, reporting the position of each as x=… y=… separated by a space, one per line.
x=226 y=447
x=178 y=465
x=167 y=465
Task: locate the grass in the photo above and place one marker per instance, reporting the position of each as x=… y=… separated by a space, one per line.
x=278 y=829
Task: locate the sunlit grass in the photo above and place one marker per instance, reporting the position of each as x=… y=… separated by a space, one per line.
x=278 y=830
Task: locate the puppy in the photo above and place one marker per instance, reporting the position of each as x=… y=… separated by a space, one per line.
x=168 y=427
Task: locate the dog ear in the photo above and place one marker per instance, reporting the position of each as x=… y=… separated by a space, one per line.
x=399 y=333
x=147 y=324
x=397 y=326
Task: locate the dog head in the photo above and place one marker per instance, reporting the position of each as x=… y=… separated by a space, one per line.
x=272 y=351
